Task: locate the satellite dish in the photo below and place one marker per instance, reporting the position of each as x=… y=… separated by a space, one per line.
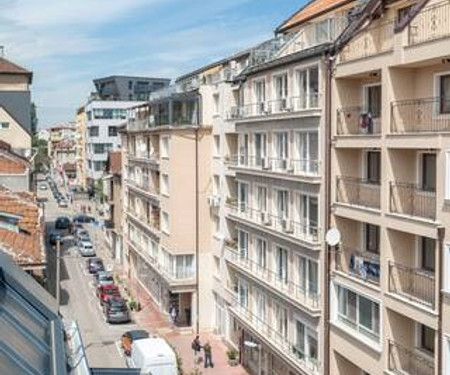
x=333 y=237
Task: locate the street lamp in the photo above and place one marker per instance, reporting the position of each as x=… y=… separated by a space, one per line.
x=253 y=345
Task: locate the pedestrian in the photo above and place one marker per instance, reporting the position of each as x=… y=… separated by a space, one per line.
x=173 y=314
x=208 y=355
x=196 y=347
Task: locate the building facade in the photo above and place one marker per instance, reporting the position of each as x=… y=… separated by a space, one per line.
x=62 y=152
x=80 y=147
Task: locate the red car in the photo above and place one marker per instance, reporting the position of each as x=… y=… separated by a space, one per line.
x=106 y=292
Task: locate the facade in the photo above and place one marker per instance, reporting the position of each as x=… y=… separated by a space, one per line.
x=15 y=170
x=166 y=165
x=15 y=107
x=102 y=121
x=80 y=147
x=62 y=152
x=128 y=88
x=389 y=181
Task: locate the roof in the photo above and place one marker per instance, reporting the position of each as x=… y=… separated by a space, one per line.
x=8 y=67
x=31 y=332
x=311 y=10
x=11 y=162
x=156 y=348
x=114 y=162
x=109 y=78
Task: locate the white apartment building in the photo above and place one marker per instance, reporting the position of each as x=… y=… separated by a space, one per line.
x=103 y=119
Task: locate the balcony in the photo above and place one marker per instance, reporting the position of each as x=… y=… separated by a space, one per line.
x=144 y=156
x=358 y=192
x=411 y=200
x=268 y=221
x=406 y=361
x=152 y=222
x=143 y=187
x=360 y=264
x=295 y=167
x=272 y=280
x=432 y=23
x=414 y=284
x=356 y=121
x=282 y=106
x=373 y=41
x=420 y=116
x=278 y=341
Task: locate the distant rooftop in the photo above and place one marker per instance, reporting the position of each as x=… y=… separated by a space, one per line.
x=8 y=67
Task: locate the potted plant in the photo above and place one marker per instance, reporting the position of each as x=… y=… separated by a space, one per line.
x=133 y=305
x=232 y=355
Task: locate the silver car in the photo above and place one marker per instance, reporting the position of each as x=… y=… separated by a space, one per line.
x=86 y=249
x=104 y=278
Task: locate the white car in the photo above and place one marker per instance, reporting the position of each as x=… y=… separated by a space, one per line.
x=86 y=249
x=43 y=187
x=63 y=203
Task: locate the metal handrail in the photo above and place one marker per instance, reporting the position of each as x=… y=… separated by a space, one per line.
x=406 y=361
x=413 y=200
x=358 y=191
x=431 y=23
x=343 y=264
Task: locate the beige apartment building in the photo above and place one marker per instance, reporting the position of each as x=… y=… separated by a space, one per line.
x=80 y=146
x=390 y=306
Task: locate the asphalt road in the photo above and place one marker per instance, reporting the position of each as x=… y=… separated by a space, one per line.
x=78 y=299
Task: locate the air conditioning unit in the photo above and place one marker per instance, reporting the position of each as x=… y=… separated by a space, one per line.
x=286 y=226
x=265 y=218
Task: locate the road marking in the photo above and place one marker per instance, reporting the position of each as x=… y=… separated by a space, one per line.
x=119 y=349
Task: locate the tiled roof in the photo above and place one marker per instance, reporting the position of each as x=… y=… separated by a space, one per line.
x=115 y=162
x=7 y=66
x=312 y=9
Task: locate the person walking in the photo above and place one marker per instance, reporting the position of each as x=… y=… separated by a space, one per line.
x=208 y=355
x=173 y=314
x=196 y=347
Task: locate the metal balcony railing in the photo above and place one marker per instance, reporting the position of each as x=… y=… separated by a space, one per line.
x=277 y=339
x=406 y=361
x=430 y=24
x=357 y=121
x=306 y=296
x=358 y=192
x=284 y=225
x=415 y=284
x=361 y=264
x=420 y=115
x=274 y=164
x=373 y=41
x=152 y=221
x=412 y=200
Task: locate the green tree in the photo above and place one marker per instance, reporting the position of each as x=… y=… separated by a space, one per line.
x=41 y=161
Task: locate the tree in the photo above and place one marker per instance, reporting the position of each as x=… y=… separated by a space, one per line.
x=41 y=161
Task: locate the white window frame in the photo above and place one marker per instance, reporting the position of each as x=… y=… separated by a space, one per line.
x=275 y=197
x=240 y=202
x=165 y=189
x=309 y=328
x=259 y=239
x=297 y=150
x=275 y=150
x=418 y=340
x=216 y=146
x=256 y=82
x=165 y=147
x=300 y=212
x=247 y=234
x=165 y=227
x=267 y=202
x=216 y=104
x=273 y=78
x=244 y=284
x=306 y=281
x=264 y=150
x=296 y=81
x=288 y=270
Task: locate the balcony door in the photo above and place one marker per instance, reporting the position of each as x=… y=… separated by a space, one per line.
x=281 y=149
x=373 y=167
x=281 y=262
x=309 y=214
x=282 y=204
x=243 y=149
x=243 y=244
x=281 y=92
x=428 y=172
x=444 y=94
x=307 y=145
x=261 y=149
x=261 y=199
x=261 y=253
x=307 y=88
x=260 y=96
x=243 y=197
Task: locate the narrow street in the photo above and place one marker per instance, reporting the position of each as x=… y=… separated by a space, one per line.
x=78 y=299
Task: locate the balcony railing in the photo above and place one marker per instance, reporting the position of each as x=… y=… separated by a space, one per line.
x=280 y=165
x=276 y=338
x=361 y=264
x=152 y=222
x=286 y=226
x=410 y=199
x=415 y=284
x=292 y=104
x=286 y=287
x=358 y=192
x=144 y=186
x=430 y=24
x=420 y=115
x=407 y=361
x=356 y=121
x=144 y=156
x=373 y=41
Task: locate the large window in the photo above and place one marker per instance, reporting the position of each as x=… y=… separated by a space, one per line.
x=444 y=94
x=308 y=275
x=261 y=199
x=359 y=313
x=307 y=144
x=112 y=131
x=184 y=266
x=243 y=244
x=243 y=293
x=373 y=167
x=243 y=149
x=261 y=253
x=372 y=238
x=165 y=226
x=427 y=253
x=261 y=311
x=428 y=172
x=281 y=148
x=164 y=147
x=281 y=261
x=372 y=100
x=307 y=88
x=260 y=149
x=309 y=214
x=282 y=204
x=110 y=114
x=281 y=320
x=93 y=131
x=306 y=345
x=281 y=86
x=425 y=338
x=243 y=197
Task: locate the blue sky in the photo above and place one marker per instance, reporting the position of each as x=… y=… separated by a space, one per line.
x=67 y=43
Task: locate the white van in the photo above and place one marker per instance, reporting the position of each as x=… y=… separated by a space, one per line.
x=153 y=356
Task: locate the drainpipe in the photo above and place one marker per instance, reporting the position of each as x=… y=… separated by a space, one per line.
x=440 y=259
x=197 y=266
x=326 y=287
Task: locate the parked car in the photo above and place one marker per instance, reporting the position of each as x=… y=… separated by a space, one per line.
x=63 y=203
x=104 y=278
x=82 y=235
x=81 y=218
x=43 y=187
x=54 y=237
x=86 y=249
x=62 y=223
x=116 y=311
x=105 y=292
x=131 y=336
x=95 y=265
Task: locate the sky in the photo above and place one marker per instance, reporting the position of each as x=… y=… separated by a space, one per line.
x=67 y=43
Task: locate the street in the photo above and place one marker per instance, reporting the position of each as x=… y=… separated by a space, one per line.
x=78 y=299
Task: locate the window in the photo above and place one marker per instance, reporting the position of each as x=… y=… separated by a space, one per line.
x=309 y=214
x=307 y=89
x=428 y=172
x=447 y=270
x=99 y=166
x=373 y=170
x=281 y=320
x=165 y=184
x=447 y=175
x=112 y=131
x=282 y=146
x=243 y=197
x=372 y=100
x=372 y=238
x=427 y=253
x=110 y=114
x=306 y=345
x=216 y=185
x=281 y=86
x=282 y=204
x=261 y=199
x=307 y=144
x=243 y=244
x=243 y=293
x=359 y=313
x=94 y=131
x=165 y=222
x=260 y=91
x=216 y=99
x=308 y=275
x=261 y=253
x=281 y=261
x=426 y=338
x=243 y=149
x=260 y=149
x=260 y=306
x=165 y=147
x=216 y=144
x=130 y=85
x=4 y=125
x=444 y=94
x=216 y=223
x=184 y=266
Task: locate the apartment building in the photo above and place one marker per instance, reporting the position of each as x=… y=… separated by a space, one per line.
x=103 y=117
x=80 y=147
x=62 y=152
x=166 y=159
x=389 y=289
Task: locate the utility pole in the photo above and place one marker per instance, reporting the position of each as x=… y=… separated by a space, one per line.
x=58 y=271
